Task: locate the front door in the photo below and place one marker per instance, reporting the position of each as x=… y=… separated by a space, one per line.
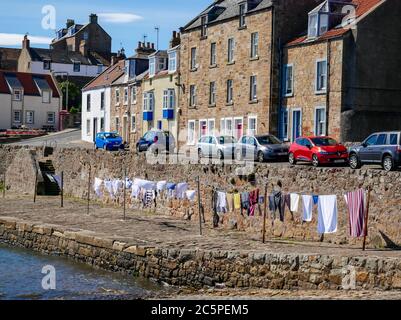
x=95 y=130
x=296 y=124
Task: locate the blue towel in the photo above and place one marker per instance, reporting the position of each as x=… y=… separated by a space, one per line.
x=170 y=186
x=315 y=199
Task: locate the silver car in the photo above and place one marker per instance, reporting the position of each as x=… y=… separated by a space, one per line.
x=222 y=147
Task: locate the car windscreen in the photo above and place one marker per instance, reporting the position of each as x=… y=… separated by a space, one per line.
x=322 y=142
x=263 y=140
x=111 y=136
x=226 y=140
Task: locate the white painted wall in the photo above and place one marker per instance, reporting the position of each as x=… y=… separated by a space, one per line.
x=5 y=111
x=95 y=112
x=86 y=70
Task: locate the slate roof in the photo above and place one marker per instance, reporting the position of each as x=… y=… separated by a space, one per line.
x=107 y=77
x=30 y=82
x=224 y=10
x=362 y=7
x=9 y=58
x=65 y=57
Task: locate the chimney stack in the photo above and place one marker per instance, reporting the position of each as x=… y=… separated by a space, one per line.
x=145 y=48
x=93 y=18
x=175 y=40
x=25 y=42
x=70 y=23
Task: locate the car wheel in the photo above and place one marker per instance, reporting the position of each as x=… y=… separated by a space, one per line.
x=137 y=148
x=291 y=159
x=220 y=155
x=238 y=155
x=315 y=160
x=388 y=163
x=200 y=154
x=354 y=162
x=261 y=157
x=105 y=147
x=96 y=146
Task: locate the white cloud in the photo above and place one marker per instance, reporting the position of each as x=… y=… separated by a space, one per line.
x=13 y=39
x=119 y=17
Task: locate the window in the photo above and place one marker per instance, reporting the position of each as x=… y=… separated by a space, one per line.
x=17 y=95
x=169 y=99
x=284 y=124
x=162 y=64
x=242 y=17
x=210 y=126
x=312 y=25
x=133 y=123
x=321 y=75
x=47 y=64
x=30 y=117
x=192 y=96
x=117 y=122
x=253 y=88
x=88 y=127
x=102 y=124
x=288 y=80
x=51 y=117
x=212 y=93
x=88 y=102
x=99 y=68
x=191 y=132
x=252 y=125
x=172 y=61
x=323 y=23
x=159 y=125
x=148 y=101
x=204 y=26
x=46 y=96
x=202 y=128
x=238 y=128
x=226 y=126
x=213 y=58
x=320 y=121
x=101 y=100
x=193 y=59
x=393 y=139
x=17 y=116
x=229 y=91
x=254 y=45
x=371 y=140
x=152 y=66
x=77 y=66
x=230 y=50
x=125 y=96
x=381 y=140
x=133 y=95
x=117 y=91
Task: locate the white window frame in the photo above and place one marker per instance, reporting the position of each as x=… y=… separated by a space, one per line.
x=88 y=102
x=209 y=130
x=314 y=27
x=88 y=127
x=53 y=115
x=117 y=124
x=212 y=93
x=19 y=116
x=126 y=96
x=31 y=118
x=117 y=94
x=191 y=133
x=194 y=53
x=102 y=100
x=253 y=88
x=317 y=77
x=316 y=125
x=204 y=26
x=172 y=61
x=152 y=66
x=254 y=45
x=231 y=50
x=17 y=96
x=169 y=99
x=286 y=92
x=230 y=91
x=200 y=128
x=249 y=132
x=192 y=96
x=213 y=54
x=148 y=101
x=133 y=95
x=242 y=15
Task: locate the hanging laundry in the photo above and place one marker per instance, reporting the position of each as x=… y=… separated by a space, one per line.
x=170 y=189
x=97 y=185
x=117 y=185
x=237 y=201
x=190 y=195
x=294 y=202
x=307 y=205
x=356 y=212
x=327 y=214
x=253 y=201
x=180 y=190
x=128 y=183
x=245 y=202
x=230 y=202
x=149 y=198
x=315 y=199
x=57 y=179
x=109 y=187
x=277 y=202
x=221 y=203
x=161 y=185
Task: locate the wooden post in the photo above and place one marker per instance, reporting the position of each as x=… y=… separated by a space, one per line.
x=264 y=217
x=125 y=186
x=4 y=185
x=62 y=189
x=365 y=231
x=199 y=206
x=36 y=186
x=89 y=188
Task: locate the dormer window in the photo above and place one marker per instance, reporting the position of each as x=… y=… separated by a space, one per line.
x=47 y=64
x=77 y=66
x=17 y=95
x=152 y=66
x=203 y=26
x=172 y=61
x=242 y=16
x=161 y=64
x=318 y=21
x=71 y=31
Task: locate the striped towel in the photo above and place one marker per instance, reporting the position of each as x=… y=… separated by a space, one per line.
x=356 y=208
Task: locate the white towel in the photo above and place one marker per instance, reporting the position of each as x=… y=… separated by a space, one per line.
x=97 y=187
x=161 y=185
x=221 y=204
x=109 y=187
x=294 y=202
x=307 y=203
x=117 y=184
x=327 y=214
x=190 y=194
x=180 y=190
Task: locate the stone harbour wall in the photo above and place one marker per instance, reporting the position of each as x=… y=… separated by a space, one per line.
x=200 y=268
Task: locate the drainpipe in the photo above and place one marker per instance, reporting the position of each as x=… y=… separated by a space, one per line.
x=178 y=110
x=328 y=86
x=272 y=64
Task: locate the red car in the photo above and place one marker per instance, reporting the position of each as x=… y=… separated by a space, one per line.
x=317 y=150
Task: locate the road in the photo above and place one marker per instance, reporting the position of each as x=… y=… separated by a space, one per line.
x=67 y=138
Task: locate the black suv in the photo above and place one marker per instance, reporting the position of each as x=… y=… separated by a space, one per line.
x=381 y=147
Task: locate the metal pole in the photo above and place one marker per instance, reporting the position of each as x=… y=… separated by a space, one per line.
x=36 y=186
x=4 y=185
x=125 y=186
x=199 y=206
x=62 y=189
x=89 y=188
x=365 y=233
x=264 y=217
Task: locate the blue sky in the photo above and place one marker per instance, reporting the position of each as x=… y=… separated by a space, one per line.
x=125 y=20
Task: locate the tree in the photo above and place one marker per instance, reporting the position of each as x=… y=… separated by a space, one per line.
x=74 y=94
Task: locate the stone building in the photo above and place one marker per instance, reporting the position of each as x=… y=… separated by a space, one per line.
x=230 y=63
x=341 y=77
x=126 y=95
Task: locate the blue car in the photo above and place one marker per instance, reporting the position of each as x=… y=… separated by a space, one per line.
x=108 y=141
